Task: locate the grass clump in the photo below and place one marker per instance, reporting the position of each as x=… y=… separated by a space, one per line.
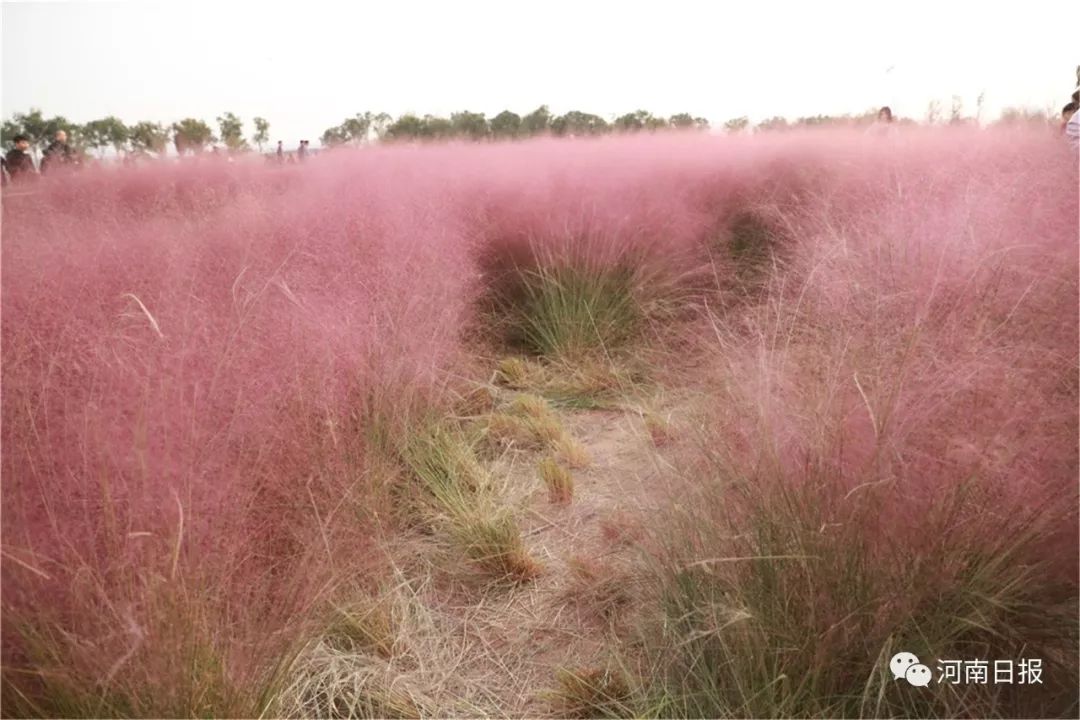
x=571 y=310
x=185 y=676
x=519 y=373
x=367 y=627
x=572 y=453
x=589 y=382
x=527 y=433
x=558 y=480
x=443 y=460
x=335 y=683
x=792 y=608
x=592 y=693
x=527 y=422
x=531 y=406
x=492 y=539
x=752 y=242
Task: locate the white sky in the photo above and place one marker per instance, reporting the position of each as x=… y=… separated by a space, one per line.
x=307 y=64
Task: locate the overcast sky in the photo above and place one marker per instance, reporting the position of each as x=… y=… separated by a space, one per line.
x=307 y=64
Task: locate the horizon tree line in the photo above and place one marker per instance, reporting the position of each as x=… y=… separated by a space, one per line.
x=193 y=135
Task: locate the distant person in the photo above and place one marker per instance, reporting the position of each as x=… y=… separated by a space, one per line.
x=301 y=152
x=1072 y=131
x=19 y=164
x=883 y=123
x=1066 y=114
x=280 y=152
x=58 y=154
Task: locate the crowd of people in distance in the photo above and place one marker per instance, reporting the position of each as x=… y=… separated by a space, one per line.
x=281 y=157
x=18 y=164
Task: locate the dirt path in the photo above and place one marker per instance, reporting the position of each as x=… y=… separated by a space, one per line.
x=446 y=637
x=503 y=645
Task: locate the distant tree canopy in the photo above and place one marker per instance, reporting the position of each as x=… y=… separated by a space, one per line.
x=262 y=132
x=144 y=137
x=471 y=125
x=575 y=123
x=737 y=125
x=148 y=137
x=192 y=135
x=685 y=120
x=507 y=125
x=536 y=122
x=42 y=130
x=107 y=132
x=232 y=132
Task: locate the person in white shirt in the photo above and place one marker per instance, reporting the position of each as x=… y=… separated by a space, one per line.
x=1072 y=126
x=883 y=125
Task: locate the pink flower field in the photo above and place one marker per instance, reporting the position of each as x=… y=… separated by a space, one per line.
x=246 y=406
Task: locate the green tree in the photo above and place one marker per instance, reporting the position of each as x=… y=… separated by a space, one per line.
x=640 y=120
x=32 y=124
x=681 y=121
x=94 y=136
x=774 y=123
x=147 y=137
x=36 y=127
x=631 y=122
x=536 y=122
x=333 y=137
x=576 y=122
x=380 y=123
x=191 y=135
x=437 y=128
x=356 y=128
x=232 y=132
x=506 y=125
x=107 y=132
x=262 y=132
x=407 y=127
x=686 y=120
x=469 y=125
x=10 y=129
x=42 y=130
x=737 y=125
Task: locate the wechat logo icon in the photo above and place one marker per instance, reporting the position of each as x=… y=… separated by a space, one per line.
x=905 y=665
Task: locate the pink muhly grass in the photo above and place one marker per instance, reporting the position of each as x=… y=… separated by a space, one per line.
x=187 y=382
x=196 y=359
x=890 y=456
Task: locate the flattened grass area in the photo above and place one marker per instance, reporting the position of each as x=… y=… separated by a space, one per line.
x=443 y=459
x=590 y=382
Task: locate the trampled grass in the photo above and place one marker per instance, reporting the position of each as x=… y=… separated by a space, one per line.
x=228 y=389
